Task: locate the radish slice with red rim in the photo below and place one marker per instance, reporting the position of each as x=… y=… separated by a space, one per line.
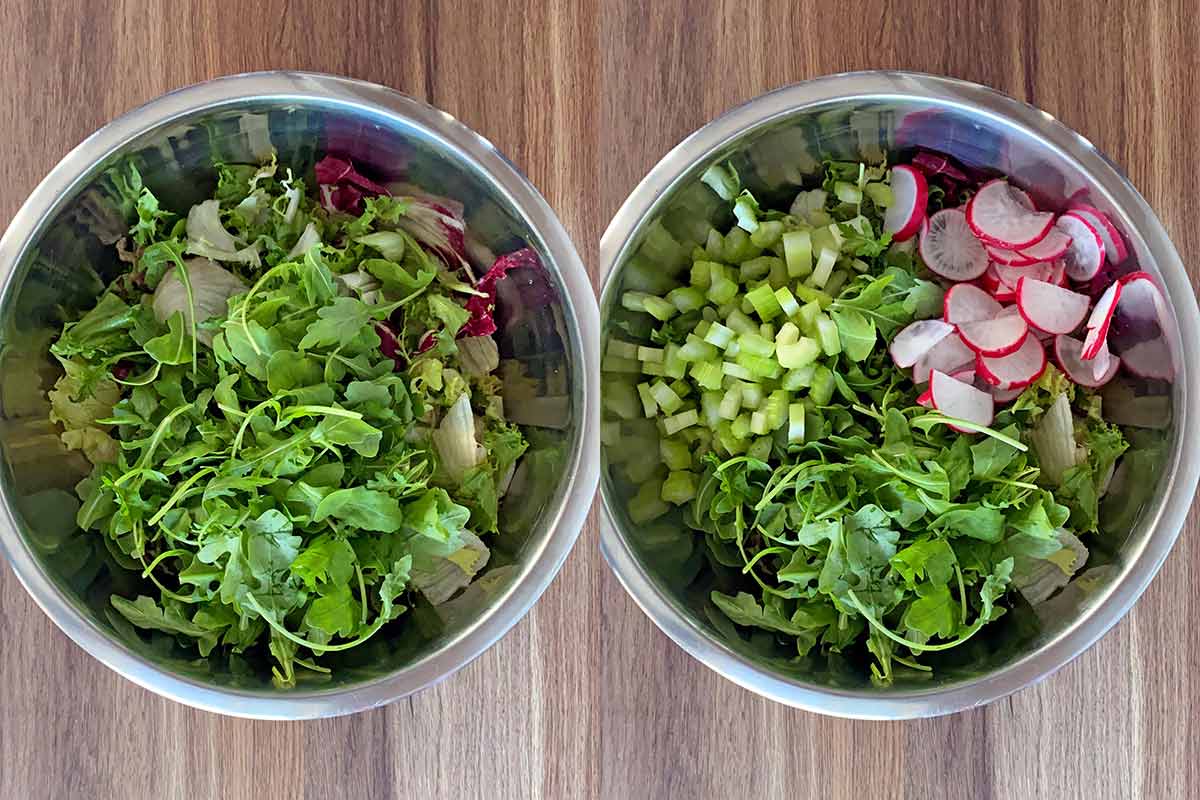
x=1017 y=369
x=1150 y=359
x=966 y=302
x=1009 y=258
x=925 y=399
x=1058 y=273
x=1055 y=243
x=999 y=336
x=1085 y=256
x=1006 y=395
x=1100 y=320
x=1068 y=352
x=998 y=215
x=917 y=339
x=1114 y=246
x=1101 y=361
x=950 y=249
x=966 y=375
x=1141 y=299
x=960 y=400
x=910 y=193
x=1051 y=308
x=948 y=355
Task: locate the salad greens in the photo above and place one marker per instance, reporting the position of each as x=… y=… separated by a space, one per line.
x=291 y=411
x=836 y=512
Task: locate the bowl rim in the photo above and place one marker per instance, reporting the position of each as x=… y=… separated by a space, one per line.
x=564 y=516
x=1177 y=487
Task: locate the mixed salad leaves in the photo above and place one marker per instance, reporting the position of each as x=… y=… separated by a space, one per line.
x=853 y=407
x=290 y=403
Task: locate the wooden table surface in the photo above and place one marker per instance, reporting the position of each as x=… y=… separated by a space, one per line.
x=586 y=698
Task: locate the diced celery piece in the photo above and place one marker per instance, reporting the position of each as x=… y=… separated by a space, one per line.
x=737 y=371
x=764 y=302
x=722 y=179
x=776 y=408
x=788 y=334
x=822 y=386
x=639 y=470
x=787 y=301
x=798 y=354
x=647 y=504
x=761 y=448
x=718 y=335
x=674 y=424
x=733 y=349
x=758 y=423
x=797 y=252
x=722 y=290
x=808 y=294
x=649 y=406
x=708 y=314
x=730 y=443
x=827 y=335
x=767 y=331
x=679 y=488
x=673 y=365
x=702 y=326
x=725 y=309
x=752 y=395
x=740 y=323
x=768 y=233
x=847 y=193
x=746 y=210
x=634 y=301
x=755 y=345
x=858 y=265
x=824 y=267
x=798 y=378
x=621 y=349
x=621 y=399
x=760 y=366
x=836 y=281
x=807 y=318
x=880 y=194
x=696 y=349
x=745 y=305
x=665 y=396
x=862 y=226
x=740 y=427
x=610 y=433
x=686 y=298
x=731 y=403
x=681 y=387
x=708 y=374
x=698 y=253
x=617 y=364
x=714 y=245
x=701 y=274
x=710 y=408
x=778 y=276
x=755 y=269
x=795 y=431
x=659 y=308
x=738 y=247
x=650 y=354
x=653 y=368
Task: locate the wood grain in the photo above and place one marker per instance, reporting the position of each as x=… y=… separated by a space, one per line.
x=1118 y=722
x=586 y=698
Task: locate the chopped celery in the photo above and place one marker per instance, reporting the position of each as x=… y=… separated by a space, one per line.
x=737 y=371
x=761 y=448
x=797 y=252
x=738 y=247
x=755 y=345
x=858 y=265
x=673 y=366
x=659 y=308
x=634 y=301
x=621 y=349
x=788 y=334
x=776 y=409
x=639 y=470
x=827 y=334
x=649 y=406
x=714 y=244
x=708 y=374
x=621 y=399
x=758 y=423
x=847 y=193
x=798 y=354
x=740 y=323
x=650 y=354
x=722 y=288
x=701 y=276
x=647 y=504
x=710 y=405
x=616 y=364
x=730 y=443
x=731 y=403
x=778 y=276
x=653 y=368
x=696 y=349
x=764 y=302
x=824 y=267
x=810 y=312
x=733 y=349
x=767 y=331
x=745 y=305
x=708 y=314
x=723 y=180
x=880 y=194
x=674 y=424
x=759 y=366
x=746 y=210
x=821 y=391
x=768 y=233
x=787 y=301
x=718 y=335
x=679 y=488
x=795 y=432
x=755 y=269
x=835 y=283
x=665 y=396
x=681 y=387
x=808 y=294
x=740 y=427
x=752 y=395
x=686 y=298
x=798 y=378
x=610 y=433
x=702 y=326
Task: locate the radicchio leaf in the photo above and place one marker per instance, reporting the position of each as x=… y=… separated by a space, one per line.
x=483 y=309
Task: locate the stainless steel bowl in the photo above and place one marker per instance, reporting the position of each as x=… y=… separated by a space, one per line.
x=58 y=250
x=775 y=141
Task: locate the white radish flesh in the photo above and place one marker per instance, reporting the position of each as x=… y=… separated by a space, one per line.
x=948 y=355
x=1115 y=250
x=1150 y=359
x=1100 y=320
x=966 y=302
x=1068 y=352
x=1051 y=247
x=1016 y=369
x=918 y=339
x=960 y=400
x=910 y=193
x=1085 y=256
x=999 y=217
x=998 y=336
x=1051 y=308
x=950 y=249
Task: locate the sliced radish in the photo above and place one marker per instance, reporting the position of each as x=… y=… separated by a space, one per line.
x=1055 y=243
x=1006 y=395
x=966 y=375
x=1017 y=369
x=910 y=193
x=1009 y=258
x=961 y=400
x=950 y=249
x=1150 y=359
x=998 y=215
x=1058 y=273
x=948 y=355
x=966 y=302
x=925 y=399
x=918 y=339
x=1101 y=361
x=1068 y=353
x=1022 y=197
x=1085 y=256
x=1141 y=299
x=1051 y=308
x=1100 y=320
x=998 y=336
x=1114 y=246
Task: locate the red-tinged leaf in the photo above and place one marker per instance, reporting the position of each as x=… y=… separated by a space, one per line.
x=483 y=309
x=332 y=170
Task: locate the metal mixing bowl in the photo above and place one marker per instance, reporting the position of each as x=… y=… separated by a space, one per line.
x=776 y=141
x=57 y=253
